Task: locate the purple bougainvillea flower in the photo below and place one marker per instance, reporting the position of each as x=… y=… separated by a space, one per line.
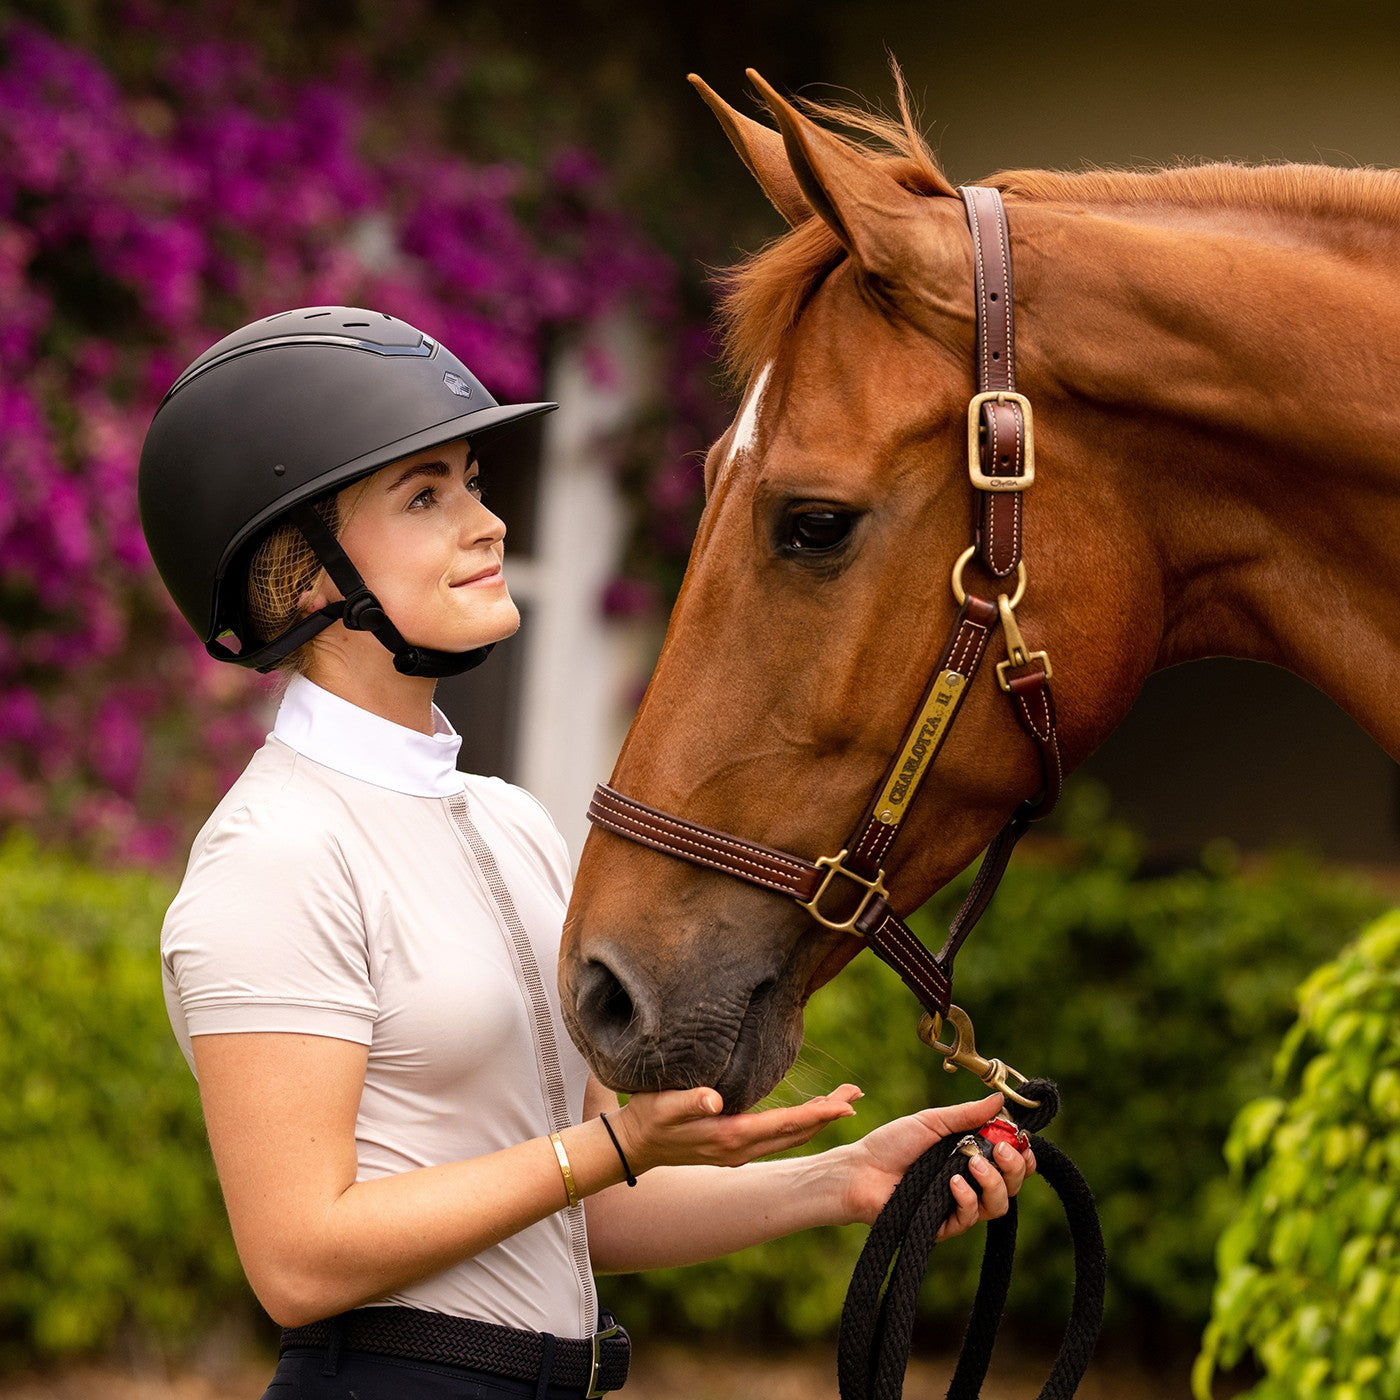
x=136 y=228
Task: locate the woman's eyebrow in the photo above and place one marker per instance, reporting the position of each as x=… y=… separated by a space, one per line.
x=432 y=469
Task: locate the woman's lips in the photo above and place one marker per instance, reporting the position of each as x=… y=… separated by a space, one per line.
x=485 y=578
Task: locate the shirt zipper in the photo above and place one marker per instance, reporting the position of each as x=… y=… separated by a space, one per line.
x=542 y=1023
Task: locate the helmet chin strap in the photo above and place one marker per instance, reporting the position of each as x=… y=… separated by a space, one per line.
x=362 y=612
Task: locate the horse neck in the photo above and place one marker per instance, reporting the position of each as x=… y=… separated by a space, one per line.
x=1233 y=375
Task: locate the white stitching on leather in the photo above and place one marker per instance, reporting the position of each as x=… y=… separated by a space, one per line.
x=699 y=855
x=979 y=276
x=975 y=640
x=898 y=954
x=1042 y=733
x=1005 y=284
x=1020 y=462
x=991 y=510
x=714 y=838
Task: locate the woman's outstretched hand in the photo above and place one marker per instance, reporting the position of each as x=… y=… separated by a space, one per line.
x=879 y=1160
x=686 y=1127
x=679 y=1127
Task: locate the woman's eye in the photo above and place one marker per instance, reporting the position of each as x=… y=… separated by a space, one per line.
x=477 y=488
x=424 y=498
x=818 y=531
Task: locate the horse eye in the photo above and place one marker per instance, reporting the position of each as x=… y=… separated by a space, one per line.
x=818 y=531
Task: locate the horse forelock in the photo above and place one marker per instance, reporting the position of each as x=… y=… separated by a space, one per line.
x=761 y=297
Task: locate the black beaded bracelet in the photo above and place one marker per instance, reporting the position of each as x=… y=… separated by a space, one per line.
x=631 y=1180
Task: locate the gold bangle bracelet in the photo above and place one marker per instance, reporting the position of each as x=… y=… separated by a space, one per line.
x=564 y=1169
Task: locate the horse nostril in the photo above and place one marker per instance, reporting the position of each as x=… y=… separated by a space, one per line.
x=608 y=1008
x=614 y=1005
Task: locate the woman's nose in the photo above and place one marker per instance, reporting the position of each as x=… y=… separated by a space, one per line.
x=479 y=522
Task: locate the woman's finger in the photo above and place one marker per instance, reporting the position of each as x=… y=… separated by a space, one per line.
x=759 y=1134
x=807 y=1117
x=994 y=1196
x=961 y=1117
x=1012 y=1166
x=965 y=1206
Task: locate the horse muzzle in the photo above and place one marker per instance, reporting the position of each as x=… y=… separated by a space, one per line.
x=735 y=1028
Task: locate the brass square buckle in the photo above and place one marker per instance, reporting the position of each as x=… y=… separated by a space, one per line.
x=874 y=889
x=596 y=1366
x=980 y=479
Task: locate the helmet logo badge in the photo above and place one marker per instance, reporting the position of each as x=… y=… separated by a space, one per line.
x=457 y=384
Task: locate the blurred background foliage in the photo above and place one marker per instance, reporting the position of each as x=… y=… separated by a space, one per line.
x=177 y=186
x=1310 y=1263
x=1159 y=1001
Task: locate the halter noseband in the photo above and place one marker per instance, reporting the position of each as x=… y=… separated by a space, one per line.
x=1001 y=465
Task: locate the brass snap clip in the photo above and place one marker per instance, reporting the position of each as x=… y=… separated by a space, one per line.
x=962 y=1054
x=1016 y=653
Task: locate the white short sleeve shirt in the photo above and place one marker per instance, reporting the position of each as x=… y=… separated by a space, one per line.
x=353 y=884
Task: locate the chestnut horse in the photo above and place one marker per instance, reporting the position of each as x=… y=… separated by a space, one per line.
x=1212 y=354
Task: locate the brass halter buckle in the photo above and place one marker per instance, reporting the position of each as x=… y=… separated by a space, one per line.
x=980 y=479
x=962 y=1054
x=874 y=889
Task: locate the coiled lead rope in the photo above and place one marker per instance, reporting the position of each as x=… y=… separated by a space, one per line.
x=877 y=1321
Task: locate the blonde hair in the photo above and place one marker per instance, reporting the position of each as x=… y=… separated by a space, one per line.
x=284 y=569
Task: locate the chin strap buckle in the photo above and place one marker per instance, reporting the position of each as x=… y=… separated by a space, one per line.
x=363 y=612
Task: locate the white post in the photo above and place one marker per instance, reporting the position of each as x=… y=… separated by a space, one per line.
x=578 y=666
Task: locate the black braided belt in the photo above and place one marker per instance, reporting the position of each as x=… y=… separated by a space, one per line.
x=592 y=1364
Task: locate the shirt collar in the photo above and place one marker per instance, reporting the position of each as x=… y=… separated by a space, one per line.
x=331 y=731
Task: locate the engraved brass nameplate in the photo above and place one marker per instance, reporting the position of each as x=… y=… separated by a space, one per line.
x=921 y=746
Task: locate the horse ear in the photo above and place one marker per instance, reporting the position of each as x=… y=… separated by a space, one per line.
x=873 y=215
x=762 y=150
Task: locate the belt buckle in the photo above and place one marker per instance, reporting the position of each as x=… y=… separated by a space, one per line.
x=597 y=1339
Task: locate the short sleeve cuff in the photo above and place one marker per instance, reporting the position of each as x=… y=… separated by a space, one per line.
x=303 y=1018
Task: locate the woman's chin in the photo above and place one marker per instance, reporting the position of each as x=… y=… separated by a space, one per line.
x=503 y=621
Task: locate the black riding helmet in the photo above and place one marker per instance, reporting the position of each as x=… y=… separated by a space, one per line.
x=275 y=416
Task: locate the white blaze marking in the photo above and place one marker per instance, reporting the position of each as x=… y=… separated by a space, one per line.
x=747 y=429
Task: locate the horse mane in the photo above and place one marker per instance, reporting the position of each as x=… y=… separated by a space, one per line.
x=762 y=296
x=1283 y=188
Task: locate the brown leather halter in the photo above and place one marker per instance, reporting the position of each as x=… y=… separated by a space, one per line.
x=1001 y=465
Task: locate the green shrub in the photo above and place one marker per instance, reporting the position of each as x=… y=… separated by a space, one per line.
x=1155 y=1002
x=1310 y=1267
x=110 y=1215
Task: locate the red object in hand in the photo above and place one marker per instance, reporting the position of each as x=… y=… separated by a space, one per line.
x=1003 y=1130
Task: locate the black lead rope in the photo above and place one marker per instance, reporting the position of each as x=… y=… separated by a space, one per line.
x=877 y=1321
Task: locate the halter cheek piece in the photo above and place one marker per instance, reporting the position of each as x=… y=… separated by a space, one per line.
x=1001 y=465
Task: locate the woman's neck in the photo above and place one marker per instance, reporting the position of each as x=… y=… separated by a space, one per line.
x=376 y=687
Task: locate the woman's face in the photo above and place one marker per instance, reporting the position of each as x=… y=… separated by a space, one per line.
x=430 y=551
